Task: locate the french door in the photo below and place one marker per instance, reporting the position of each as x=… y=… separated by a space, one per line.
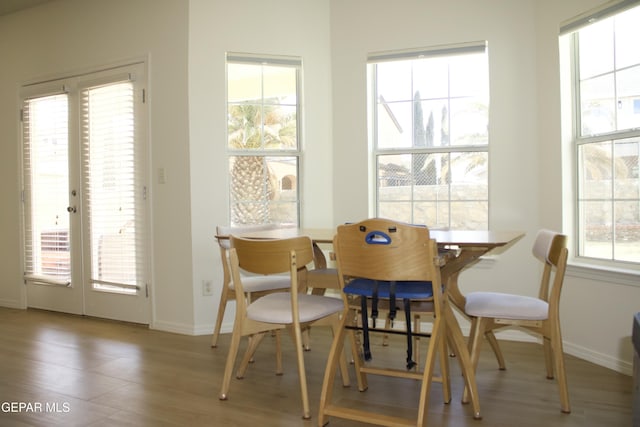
x=85 y=195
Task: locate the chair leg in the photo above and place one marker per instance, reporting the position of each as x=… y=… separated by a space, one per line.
x=444 y=369
x=416 y=342
x=547 y=345
x=231 y=358
x=306 y=339
x=356 y=349
x=279 y=370
x=335 y=353
x=433 y=351
x=385 y=337
x=344 y=370
x=491 y=338
x=219 y=318
x=556 y=344
x=458 y=345
x=493 y=342
x=475 y=344
x=254 y=341
x=306 y=413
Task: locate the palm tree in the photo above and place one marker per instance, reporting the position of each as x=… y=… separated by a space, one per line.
x=599 y=163
x=253 y=183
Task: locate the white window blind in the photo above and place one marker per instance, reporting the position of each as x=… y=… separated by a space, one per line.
x=431 y=52
x=46 y=192
x=113 y=187
x=597 y=14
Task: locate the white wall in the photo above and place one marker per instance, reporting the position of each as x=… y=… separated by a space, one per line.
x=186 y=42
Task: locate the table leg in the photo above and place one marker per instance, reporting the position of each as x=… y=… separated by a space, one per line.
x=462 y=353
x=452 y=269
x=319 y=260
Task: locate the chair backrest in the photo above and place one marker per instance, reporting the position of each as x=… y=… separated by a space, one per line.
x=550 y=248
x=272 y=256
x=548 y=245
x=382 y=249
x=223 y=235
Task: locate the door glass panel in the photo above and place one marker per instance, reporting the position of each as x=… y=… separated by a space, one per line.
x=109 y=152
x=46 y=191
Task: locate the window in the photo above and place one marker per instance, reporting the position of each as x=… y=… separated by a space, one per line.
x=606 y=88
x=429 y=115
x=263 y=107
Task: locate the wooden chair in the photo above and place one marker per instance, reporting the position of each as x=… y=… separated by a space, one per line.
x=398 y=265
x=254 y=286
x=293 y=310
x=491 y=310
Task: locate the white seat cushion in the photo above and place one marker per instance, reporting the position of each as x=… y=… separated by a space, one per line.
x=263 y=283
x=276 y=308
x=505 y=306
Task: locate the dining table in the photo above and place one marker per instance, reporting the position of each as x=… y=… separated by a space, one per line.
x=459 y=250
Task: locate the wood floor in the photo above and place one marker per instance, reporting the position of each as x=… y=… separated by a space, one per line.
x=63 y=370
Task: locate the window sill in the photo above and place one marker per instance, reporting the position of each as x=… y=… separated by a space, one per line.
x=604 y=274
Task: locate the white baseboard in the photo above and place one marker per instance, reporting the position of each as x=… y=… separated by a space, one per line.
x=11 y=303
x=176 y=328
x=179 y=328
x=599 y=359
x=208 y=329
x=580 y=352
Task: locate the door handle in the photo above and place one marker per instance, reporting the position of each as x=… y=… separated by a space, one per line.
x=71 y=209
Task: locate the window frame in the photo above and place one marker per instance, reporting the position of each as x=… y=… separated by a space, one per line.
x=376 y=152
x=274 y=61
x=620 y=271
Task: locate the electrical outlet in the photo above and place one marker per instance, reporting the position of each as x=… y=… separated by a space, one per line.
x=207 y=288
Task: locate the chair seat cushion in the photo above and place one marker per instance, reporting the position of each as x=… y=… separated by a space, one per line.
x=276 y=308
x=263 y=283
x=404 y=289
x=506 y=306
